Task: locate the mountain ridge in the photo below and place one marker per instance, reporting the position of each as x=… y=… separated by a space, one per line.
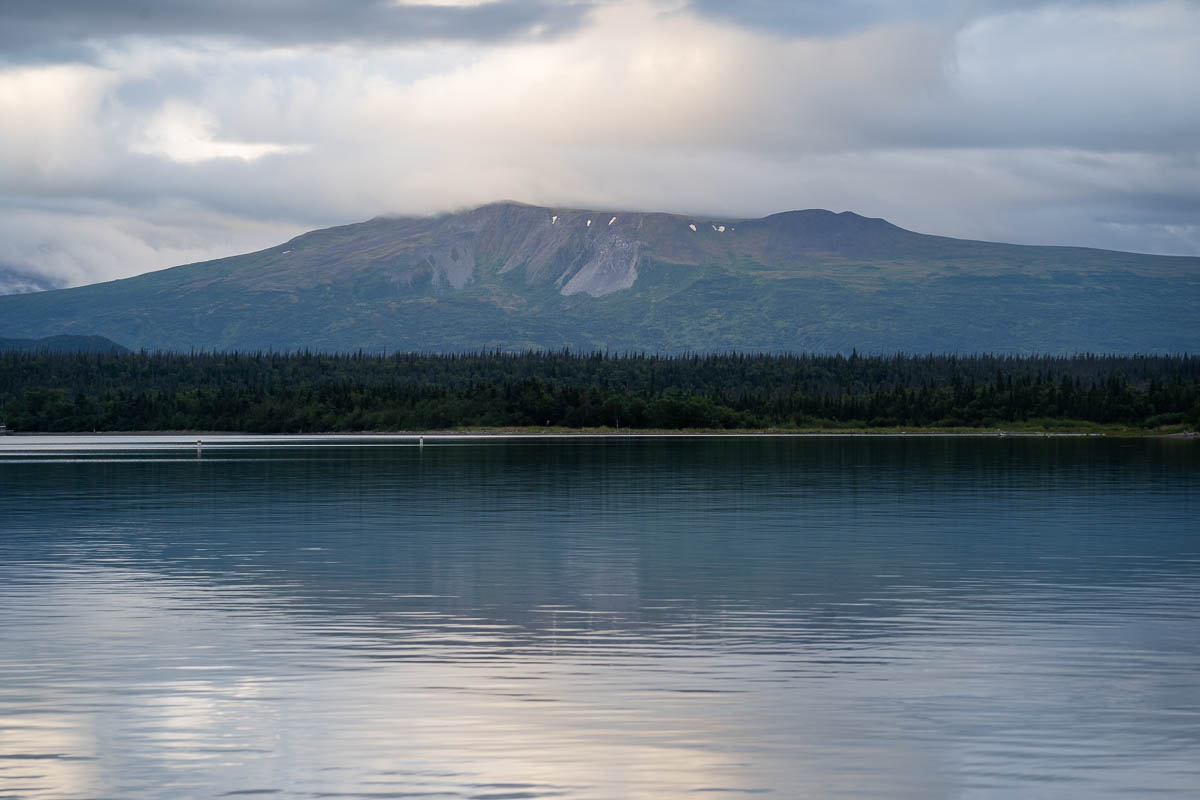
x=514 y=276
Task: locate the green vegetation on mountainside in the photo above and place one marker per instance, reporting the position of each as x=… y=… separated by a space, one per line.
x=498 y=277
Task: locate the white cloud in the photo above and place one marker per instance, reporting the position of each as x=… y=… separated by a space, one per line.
x=186 y=134
x=52 y=125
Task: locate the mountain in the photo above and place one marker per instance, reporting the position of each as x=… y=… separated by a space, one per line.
x=62 y=344
x=513 y=276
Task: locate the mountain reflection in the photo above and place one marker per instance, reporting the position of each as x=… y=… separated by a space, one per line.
x=642 y=529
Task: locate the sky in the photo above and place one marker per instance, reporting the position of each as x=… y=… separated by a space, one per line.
x=141 y=134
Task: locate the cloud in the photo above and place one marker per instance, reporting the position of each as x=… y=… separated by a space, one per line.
x=48 y=29
x=1120 y=78
x=186 y=134
x=52 y=122
x=14 y=281
x=1069 y=123
x=813 y=18
x=79 y=242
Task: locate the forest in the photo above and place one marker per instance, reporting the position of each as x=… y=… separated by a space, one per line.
x=314 y=392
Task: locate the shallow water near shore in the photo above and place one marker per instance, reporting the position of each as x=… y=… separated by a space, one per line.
x=908 y=617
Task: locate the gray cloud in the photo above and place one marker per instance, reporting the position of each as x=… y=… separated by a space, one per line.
x=810 y=17
x=50 y=30
x=818 y=18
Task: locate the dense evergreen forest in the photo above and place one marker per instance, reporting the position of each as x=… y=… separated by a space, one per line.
x=307 y=392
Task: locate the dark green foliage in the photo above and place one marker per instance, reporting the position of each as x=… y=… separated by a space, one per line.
x=309 y=392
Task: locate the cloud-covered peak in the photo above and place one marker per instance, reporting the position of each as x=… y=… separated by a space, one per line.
x=1041 y=122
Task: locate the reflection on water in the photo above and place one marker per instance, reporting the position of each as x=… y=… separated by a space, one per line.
x=602 y=619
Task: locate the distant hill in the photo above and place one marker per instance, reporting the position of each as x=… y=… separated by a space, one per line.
x=62 y=344
x=512 y=277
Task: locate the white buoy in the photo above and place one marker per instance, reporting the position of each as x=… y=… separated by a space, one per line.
x=420 y=441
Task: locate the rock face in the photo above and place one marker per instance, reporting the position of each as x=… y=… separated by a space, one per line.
x=576 y=250
x=513 y=276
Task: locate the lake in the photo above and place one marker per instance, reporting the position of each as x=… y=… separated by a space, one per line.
x=898 y=617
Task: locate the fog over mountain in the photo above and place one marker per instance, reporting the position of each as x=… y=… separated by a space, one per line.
x=18 y=282
x=135 y=136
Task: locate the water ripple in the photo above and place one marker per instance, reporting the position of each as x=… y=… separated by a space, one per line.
x=594 y=619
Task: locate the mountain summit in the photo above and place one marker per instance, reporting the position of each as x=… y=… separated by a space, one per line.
x=514 y=276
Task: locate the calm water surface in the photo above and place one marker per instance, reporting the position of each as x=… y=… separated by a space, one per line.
x=642 y=618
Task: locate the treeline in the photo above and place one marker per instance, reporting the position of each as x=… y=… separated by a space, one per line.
x=307 y=392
